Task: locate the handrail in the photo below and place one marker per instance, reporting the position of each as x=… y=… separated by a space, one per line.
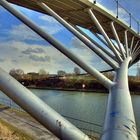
x=132 y=21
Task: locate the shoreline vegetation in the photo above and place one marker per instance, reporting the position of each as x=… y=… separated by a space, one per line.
x=71 y=82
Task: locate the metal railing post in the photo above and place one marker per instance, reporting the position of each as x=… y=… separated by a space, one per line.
x=117 y=9
x=130 y=24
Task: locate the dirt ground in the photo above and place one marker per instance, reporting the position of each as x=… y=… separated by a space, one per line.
x=23 y=122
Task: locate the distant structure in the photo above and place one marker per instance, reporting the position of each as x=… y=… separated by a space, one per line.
x=138 y=69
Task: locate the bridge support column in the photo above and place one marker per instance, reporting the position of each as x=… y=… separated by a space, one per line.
x=119 y=120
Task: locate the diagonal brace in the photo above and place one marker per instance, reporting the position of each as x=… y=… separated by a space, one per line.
x=117 y=39
x=102 y=79
x=77 y=34
x=105 y=35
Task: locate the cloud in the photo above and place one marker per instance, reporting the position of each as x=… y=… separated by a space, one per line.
x=51 y=25
x=49 y=59
x=2 y=60
x=33 y=50
x=49 y=19
x=31 y=57
x=77 y=43
x=87 y=55
x=22 y=33
x=39 y=58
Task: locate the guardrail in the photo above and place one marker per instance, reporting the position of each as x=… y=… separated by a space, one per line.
x=121 y=13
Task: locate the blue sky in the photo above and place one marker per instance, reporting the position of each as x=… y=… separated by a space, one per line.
x=22 y=48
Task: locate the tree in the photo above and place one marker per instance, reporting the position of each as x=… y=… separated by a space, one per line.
x=138 y=72
x=16 y=72
x=77 y=71
x=42 y=72
x=61 y=73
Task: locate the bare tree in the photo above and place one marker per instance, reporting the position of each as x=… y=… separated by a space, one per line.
x=43 y=72
x=61 y=73
x=77 y=71
x=16 y=72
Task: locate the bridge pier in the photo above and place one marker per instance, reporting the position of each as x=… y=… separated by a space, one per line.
x=119 y=121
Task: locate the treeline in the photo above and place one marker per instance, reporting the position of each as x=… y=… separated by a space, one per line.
x=72 y=81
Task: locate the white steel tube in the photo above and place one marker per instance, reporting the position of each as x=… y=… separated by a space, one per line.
x=126 y=43
x=134 y=56
x=137 y=49
x=135 y=46
x=132 y=42
x=117 y=39
x=77 y=34
x=38 y=109
x=100 y=77
x=102 y=40
x=119 y=121
x=104 y=34
x=97 y=44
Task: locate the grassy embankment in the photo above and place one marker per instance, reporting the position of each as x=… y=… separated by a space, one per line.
x=9 y=132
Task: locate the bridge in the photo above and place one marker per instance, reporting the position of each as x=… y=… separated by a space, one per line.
x=119 y=121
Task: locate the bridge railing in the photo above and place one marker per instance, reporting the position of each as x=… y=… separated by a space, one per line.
x=121 y=13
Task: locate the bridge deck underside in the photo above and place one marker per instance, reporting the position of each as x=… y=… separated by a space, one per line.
x=75 y=12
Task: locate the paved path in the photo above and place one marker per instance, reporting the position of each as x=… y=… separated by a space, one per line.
x=25 y=122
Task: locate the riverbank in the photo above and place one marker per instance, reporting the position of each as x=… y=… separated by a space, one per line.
x=9 y=132
x=18 y=125
x=84 y=83
x=67 y=89
x=74 y=89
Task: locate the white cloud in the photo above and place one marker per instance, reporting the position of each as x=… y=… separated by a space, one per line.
x=49 y=19
x=30 y=57
x=22 y=32
x=51 y=26
x=50 y=59
x=39 y=58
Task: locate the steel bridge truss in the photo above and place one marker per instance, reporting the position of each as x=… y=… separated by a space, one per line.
x=119 y=121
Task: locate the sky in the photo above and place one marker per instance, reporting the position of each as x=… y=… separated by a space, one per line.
x=21 y=48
